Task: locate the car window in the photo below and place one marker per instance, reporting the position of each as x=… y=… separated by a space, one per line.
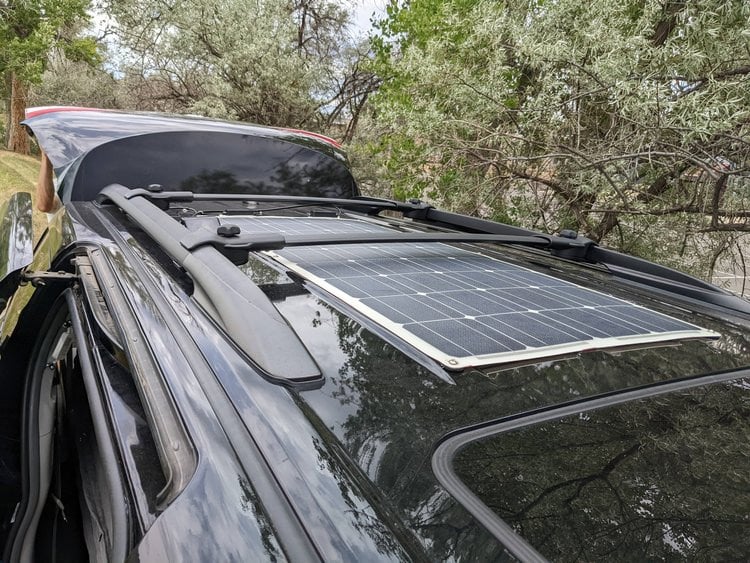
x=655 y=479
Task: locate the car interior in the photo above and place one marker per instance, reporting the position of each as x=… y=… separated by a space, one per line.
x=44 y=522
x=62 y=495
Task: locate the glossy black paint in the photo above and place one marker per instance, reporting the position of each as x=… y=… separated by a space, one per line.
x=387 y=412
x=218 y=511
x=351 y=457
x=652 y=475
x=50 y=253
x=15 y=242
x=214 y=513
x=316 y=486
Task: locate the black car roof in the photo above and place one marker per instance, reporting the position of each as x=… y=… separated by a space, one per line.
x=65 y=133
x=378 y=410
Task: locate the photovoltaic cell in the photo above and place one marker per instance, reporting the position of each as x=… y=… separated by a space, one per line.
x=460 y=307
x=288 y=225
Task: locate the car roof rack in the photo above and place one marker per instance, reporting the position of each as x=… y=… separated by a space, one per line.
x=363 y=204
x=569 y=245
x=229 y=296
x=229 y=238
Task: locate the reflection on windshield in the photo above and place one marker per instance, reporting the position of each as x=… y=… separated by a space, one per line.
x=658 y=479
x=315 y=180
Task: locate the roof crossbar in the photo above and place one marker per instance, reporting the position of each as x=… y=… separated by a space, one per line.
x=359 y=203
x=230 y=238
x=232 y=299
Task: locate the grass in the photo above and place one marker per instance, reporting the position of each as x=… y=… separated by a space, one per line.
x=19 y=173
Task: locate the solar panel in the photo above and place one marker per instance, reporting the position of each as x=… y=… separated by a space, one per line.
x=464 y=309
x=288 y=225
x=460 y=307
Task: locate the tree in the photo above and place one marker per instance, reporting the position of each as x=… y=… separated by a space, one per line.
x=350 y=83
x=29 y=30
x=626 y=121
x=274 y=63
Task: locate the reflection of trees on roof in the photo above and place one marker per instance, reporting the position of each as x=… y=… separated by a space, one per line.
x=390 y=411
x=360 y=513
x=398 y=415
x=657 y=479
x=250 y=503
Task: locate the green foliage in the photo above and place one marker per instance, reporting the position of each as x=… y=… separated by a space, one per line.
x=30 y=32
x=29 y=29
x=266 y=62
x=66 y=82
x=616 y=119
x=83 y=50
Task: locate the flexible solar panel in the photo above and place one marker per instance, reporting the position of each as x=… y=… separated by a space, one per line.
x=288 y=225
x=460 y=307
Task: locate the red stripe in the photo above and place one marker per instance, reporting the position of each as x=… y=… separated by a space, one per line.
x=35 y=112
x=318 y=136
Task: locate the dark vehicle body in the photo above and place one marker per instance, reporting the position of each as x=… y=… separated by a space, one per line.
x=184 y=382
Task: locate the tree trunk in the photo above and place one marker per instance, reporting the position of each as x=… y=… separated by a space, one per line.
x=18 y=139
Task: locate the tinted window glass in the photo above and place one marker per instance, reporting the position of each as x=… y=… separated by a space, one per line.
x=209 y=162
x=660 y=478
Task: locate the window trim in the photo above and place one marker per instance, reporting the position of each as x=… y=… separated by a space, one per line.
x=120 y=521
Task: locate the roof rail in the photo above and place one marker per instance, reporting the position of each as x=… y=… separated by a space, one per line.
x=229 y=296
x=569 y=245
x=235 y=245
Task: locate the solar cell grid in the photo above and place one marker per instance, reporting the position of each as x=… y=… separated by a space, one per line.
x=466 y=309
x=287 y=225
